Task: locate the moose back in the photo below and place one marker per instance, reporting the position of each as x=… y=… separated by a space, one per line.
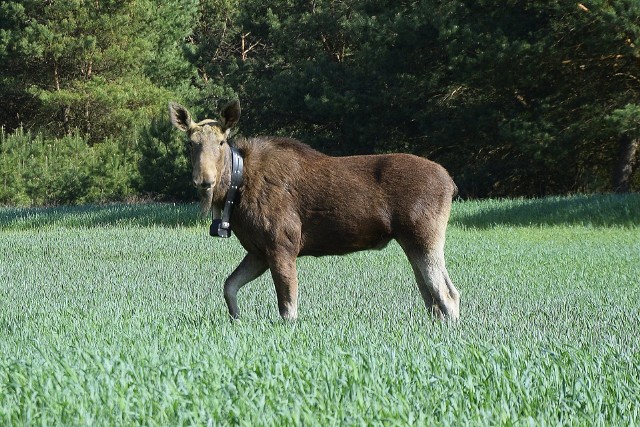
x=295 y=201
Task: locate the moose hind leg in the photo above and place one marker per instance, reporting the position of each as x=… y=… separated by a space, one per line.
x=250 y=268
x=438 y=292
x=429 y=302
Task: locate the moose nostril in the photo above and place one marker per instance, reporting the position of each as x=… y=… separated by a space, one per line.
x=201 y=184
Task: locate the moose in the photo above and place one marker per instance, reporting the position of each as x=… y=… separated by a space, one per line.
x=283 y=199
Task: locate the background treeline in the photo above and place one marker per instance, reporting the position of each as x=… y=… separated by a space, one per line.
x=514 y=97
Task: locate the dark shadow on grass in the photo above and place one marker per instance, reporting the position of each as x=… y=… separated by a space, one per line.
x=594 y=210
x=142 y=215
x=598 y=210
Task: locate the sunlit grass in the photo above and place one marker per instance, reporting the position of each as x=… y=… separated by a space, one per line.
x=114 y=315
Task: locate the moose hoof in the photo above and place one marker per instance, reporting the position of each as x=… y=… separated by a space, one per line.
x=289 y=316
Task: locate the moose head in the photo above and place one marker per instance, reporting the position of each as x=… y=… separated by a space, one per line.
x=210 y=151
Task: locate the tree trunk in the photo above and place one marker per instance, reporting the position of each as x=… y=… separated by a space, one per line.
x=66 y=110
x=625 y=165
x=87 y=106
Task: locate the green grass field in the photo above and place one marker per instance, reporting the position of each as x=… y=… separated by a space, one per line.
x=114 y=316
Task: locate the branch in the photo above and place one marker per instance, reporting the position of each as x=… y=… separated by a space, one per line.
x=631 y=76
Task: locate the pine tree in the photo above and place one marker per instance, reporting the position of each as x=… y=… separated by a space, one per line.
x=539 y=80
x=102 y=68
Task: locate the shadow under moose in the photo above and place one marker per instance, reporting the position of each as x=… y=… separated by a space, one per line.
x=283 y=199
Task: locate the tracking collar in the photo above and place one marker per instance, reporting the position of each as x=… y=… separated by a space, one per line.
x=222 y=227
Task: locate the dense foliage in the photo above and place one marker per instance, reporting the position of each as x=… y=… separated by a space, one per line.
x=513 y=97
x=65 y=170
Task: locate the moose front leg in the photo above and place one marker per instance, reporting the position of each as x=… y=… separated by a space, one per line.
x=251 y=267
x=285 y=278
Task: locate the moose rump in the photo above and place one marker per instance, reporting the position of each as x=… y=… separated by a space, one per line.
x=296 y=201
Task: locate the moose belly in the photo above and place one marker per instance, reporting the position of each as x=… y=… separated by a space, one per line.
x=330 y=232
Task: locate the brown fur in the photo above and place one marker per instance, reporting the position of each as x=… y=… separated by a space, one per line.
x=296 y=201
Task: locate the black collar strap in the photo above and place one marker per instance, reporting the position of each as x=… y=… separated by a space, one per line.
x=222 y=227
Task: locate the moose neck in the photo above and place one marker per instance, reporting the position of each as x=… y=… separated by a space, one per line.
x=222 y=227
x=222 y=189
x=231 y=178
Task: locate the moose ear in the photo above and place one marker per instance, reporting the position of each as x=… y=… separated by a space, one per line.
x=180 y=117
x=230 y=114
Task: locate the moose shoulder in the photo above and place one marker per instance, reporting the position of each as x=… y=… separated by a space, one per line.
x=296 y=201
